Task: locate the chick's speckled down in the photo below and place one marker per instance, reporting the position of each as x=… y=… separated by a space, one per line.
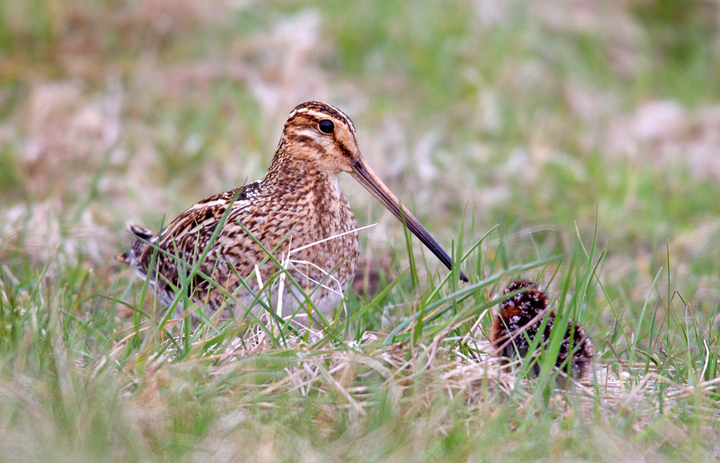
x=517 y=313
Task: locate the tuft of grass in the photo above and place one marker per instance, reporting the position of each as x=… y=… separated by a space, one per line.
x=147 y=387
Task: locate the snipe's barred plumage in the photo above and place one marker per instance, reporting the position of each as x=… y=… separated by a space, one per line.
x=296 y=204
x=519 y=322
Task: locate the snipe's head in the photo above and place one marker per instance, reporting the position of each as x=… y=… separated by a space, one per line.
x=322 y=136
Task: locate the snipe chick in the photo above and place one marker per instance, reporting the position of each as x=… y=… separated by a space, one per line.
x=297 y=211
x=512 y=330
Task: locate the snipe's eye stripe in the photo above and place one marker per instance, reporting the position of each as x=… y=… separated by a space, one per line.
x=322 y=111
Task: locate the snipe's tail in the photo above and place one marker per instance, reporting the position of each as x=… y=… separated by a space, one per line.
x=141 y=234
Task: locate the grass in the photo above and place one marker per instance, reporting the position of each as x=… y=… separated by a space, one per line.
x=570 y=143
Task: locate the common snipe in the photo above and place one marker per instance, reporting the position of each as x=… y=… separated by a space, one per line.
x=519 y=322
x=297 y=211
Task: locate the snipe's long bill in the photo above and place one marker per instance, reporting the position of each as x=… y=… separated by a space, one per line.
x=297 y=211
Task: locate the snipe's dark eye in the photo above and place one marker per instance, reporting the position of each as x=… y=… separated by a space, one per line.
x=326 y=126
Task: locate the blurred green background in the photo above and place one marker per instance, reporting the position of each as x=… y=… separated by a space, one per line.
x=544 y=118
x=538 y=116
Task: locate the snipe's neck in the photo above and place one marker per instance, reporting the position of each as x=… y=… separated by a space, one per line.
x=290 y=173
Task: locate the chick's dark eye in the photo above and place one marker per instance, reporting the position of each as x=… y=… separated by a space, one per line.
x=326 y=126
